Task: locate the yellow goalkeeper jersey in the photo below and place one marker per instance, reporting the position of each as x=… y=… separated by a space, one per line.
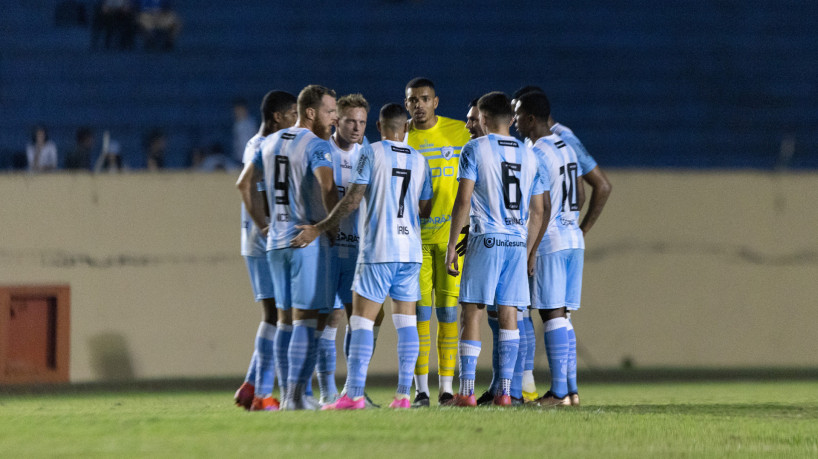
x=441 y=146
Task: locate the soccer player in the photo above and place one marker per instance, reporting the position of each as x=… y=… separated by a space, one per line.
x=600 y=191
x=297 y=167
x=473 y=121
x=394 y=182
x=277 y=112
x=557 y=281
x=439 y=139
x=353 y=110
x=501 y=186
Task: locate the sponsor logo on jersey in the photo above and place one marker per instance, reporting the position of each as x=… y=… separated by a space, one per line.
x=514 y=221
x=344 y=237
x=401 y=150
x=508 y=143
x=436 y=220
x=490 y=242
x=283 y=217
x=345 y=164
x=447 y=152
x=361 y=163
x=566 y=221
x=288 y=136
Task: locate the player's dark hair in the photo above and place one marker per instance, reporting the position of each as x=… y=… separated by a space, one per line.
x=496 y=105
x=537 y=104
x=473 y=102
x=311 y=96
x=275 y=102
x=526 y=90
x=391 y=112
x=420 y=82
x=84 y=133
x=240 y=102
x=38 y=127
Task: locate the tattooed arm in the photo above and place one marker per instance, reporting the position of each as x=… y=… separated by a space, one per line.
x=347 y=205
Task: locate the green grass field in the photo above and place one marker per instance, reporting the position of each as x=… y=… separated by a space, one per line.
x=720 y=419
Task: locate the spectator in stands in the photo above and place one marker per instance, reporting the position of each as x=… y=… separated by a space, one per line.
x=213 y=159
x=80 y=156
x=115 y=21
x=155 y=150
x=41 y=153
x=159 y=24
x=244 y=128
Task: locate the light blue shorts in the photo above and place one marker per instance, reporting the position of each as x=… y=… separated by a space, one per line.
x=341 y=275
x=557 y=281
x=260 y=277
x=374 y=281
x=301 y=277
x=494 y=270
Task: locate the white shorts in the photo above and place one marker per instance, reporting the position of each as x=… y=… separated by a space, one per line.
x=494 y=271
x=557 y=281
x=374 y=281
x=260 y=277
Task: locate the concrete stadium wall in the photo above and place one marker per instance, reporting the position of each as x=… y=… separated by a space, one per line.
x=706 y=269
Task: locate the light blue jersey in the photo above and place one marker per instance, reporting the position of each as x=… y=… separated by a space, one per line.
x=586 y=161
x=287 y=160
x=506 y=174
x=253 y=244
x=342 y=164
x=397 y=178
x=564 y=173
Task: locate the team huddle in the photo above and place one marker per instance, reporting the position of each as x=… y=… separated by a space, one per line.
x=438 y=213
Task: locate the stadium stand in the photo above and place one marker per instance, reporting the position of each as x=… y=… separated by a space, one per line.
x=684 y=84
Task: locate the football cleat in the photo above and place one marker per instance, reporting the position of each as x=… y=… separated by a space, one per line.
x=310 y=403
x=244 y=395
x=400 y=403
x=444 y=397
x=485 y=399
x=574 y=399
x=461 y=400
x=530 y=396
x=549 y=400
x=421 y=400
x=502 y=400
x=328 y=399
x=265 y=404
x=345 y=403
x=517 y=401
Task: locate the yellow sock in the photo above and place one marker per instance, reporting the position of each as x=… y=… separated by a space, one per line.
x=425 y=341
x=446 y=348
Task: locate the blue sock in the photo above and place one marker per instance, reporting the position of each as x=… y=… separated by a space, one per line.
x=530 y=342
x=408 y=349
x=311 y=363
x=347 y=337
x=556 y=348
x=517 y=379
x=251 y=370
x=265 y=362
x=572 y=359
x=298 y=353
x=494 y=325
x=508 y=348
x=281 y=346
x=361 y=344
x=469 y=351
x=326 y=362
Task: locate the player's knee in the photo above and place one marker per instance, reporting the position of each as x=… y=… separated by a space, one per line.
x=424 y=313
x=446 y=314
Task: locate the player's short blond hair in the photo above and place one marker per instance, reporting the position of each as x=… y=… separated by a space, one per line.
x=311 y=96
x=348 y=101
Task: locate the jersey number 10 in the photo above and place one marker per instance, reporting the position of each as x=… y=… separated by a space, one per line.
x=569 y=187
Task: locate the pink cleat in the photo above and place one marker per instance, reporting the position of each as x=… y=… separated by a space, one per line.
x=244 y=396
x=345 y=403
x=400 y=403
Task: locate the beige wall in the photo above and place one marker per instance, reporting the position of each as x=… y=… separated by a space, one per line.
x=700 y=269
